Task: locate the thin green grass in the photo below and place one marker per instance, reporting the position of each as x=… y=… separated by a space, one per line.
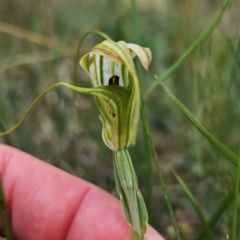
x=35 y=38
x=205 y=35
x=28 y=58
x=196 y=206
x=218 y=213
x=235 y=206
x=159 y=171
x=219 y=146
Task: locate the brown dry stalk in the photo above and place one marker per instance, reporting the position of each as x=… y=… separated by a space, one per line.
x=35 y=38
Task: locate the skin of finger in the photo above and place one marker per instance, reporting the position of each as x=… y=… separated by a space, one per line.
x=47 y=203
x=152 y=234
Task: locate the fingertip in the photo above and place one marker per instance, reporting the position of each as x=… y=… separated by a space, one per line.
x=47 y=203
x=152 y=234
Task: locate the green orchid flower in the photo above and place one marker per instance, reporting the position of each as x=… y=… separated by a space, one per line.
x=111 y=68
x=110 y=64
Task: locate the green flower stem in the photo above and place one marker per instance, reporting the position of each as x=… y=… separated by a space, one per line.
x=130 y=196
x=159 y=171
x=190 y=50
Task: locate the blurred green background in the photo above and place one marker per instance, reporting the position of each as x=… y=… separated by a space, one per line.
x=69 y=137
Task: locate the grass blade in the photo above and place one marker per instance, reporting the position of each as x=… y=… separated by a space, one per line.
x=159 y=171
x=190 y=50
x=235 y=207
x=219 y=146
x=27 y=58
x=36 y=38
x=221 y=209
x=148 y=179
x=196 y=206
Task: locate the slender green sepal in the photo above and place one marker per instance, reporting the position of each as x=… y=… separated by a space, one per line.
x=131 y=198
x=108 y=94
x=76 y=60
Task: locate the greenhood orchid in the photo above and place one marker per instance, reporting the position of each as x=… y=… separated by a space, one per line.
x=115 y=87
x=110 y=65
